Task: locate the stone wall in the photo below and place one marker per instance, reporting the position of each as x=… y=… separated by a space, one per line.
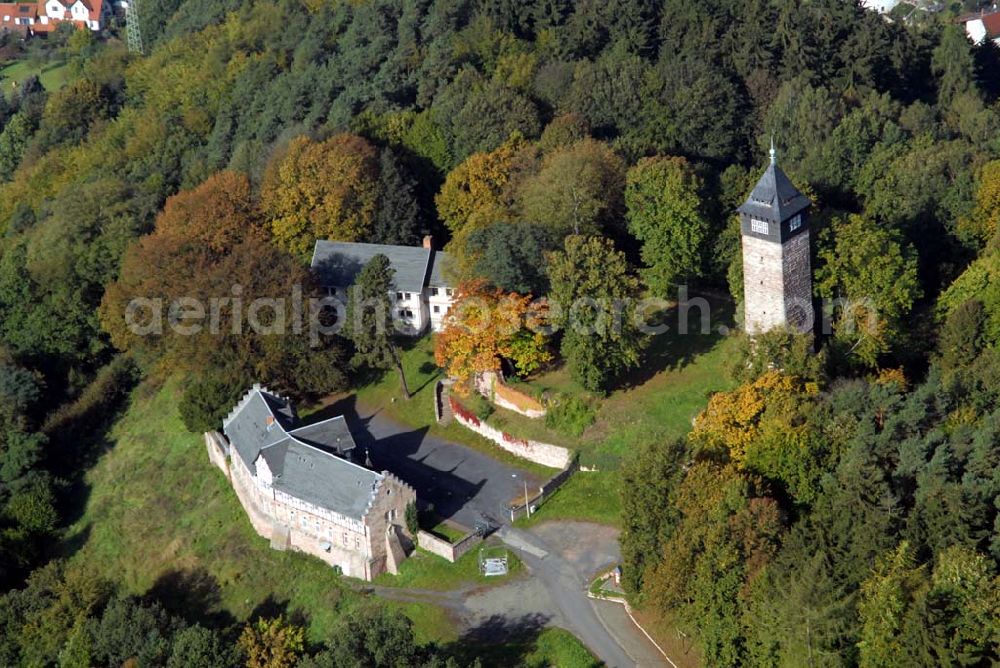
x=449 y=551
x=505 y=396
x=545 y=454
x=218 y=451
x=763 y=285
x=777 y=284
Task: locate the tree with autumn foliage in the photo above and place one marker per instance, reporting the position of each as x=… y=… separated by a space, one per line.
x=984 y=221
x=482 y=191
x=272 y=643
x=321 y=190
x=489 y=330
x=211 y=245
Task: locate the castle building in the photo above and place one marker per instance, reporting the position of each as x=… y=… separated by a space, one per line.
x=303 y=490
x=777 y=272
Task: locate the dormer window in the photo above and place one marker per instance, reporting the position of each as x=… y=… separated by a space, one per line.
x=795 y=223
x=759 y=226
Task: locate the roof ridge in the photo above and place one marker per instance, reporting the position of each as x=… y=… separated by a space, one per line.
x=336 y=457
x=315 y=424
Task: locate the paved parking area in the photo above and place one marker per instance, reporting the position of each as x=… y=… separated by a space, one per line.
x=460 y=482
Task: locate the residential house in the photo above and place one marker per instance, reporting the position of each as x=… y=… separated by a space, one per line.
x=982 y=26
x=302 y=488
x=421 y=294
x=45 y=16
x=880 y=6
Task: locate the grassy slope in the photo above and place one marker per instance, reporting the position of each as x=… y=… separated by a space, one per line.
x=156 y=505
x=156 y=508
x=656 y=405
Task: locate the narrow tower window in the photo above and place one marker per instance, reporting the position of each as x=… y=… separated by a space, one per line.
x=795 y=223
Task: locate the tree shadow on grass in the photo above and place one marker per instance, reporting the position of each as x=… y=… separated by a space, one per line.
x=192 y=594
x=272 y=607
x=681 y=345
x=498 y=641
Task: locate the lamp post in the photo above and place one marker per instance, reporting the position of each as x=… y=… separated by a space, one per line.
x=527 y=508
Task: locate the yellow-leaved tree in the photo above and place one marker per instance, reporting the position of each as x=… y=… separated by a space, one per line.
x=485 y=327
x=482 y=191
x=732 y=420
x=321 y=190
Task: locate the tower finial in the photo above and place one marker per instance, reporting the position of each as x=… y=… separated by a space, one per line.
x=772 y=152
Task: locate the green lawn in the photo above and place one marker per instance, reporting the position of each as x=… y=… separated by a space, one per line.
x=424 y=570
x=587 y=496
x=657 y=402
x=53 y=75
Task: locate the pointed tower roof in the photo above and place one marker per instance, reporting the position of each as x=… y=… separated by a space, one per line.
x=774 y=197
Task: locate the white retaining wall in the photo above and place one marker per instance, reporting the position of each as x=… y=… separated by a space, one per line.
x=546 y=454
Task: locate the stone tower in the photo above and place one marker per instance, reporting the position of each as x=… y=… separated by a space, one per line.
x=777 y=273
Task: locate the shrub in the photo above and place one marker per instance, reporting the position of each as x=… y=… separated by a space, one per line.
x=412 y=519
x=207 y=401
x=481 y=407
x=99 y=402
x=570 y=416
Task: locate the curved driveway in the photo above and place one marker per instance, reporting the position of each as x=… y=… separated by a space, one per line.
x=462 y=484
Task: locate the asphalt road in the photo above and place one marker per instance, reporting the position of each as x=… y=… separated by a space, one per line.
x=567 y=590
x=459 y=482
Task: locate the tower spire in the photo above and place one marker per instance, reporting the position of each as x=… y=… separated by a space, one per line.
x=772 y=152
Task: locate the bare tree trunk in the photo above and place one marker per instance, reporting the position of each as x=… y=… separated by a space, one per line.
x=402 y=376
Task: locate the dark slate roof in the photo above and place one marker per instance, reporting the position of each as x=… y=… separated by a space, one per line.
x=321 y=478
x=439 y=261
x=265 y=425
x=338 y=263
x=248 y=427
x=331 y=435
x=774 y=198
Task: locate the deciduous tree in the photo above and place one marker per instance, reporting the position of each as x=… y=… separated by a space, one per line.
x=272 y=643
x=875 y=275
x=665 y=212
x=486 y=328
x=579 y=190
x=321 y=190
x=593 y=289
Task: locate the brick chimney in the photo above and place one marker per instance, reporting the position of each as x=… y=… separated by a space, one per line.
x=429 y=242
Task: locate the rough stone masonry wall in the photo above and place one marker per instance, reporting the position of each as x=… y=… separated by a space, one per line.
x=442 y=548
x=218 y=452
x=763 y=285
x=798 y=283
x=777 y=283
